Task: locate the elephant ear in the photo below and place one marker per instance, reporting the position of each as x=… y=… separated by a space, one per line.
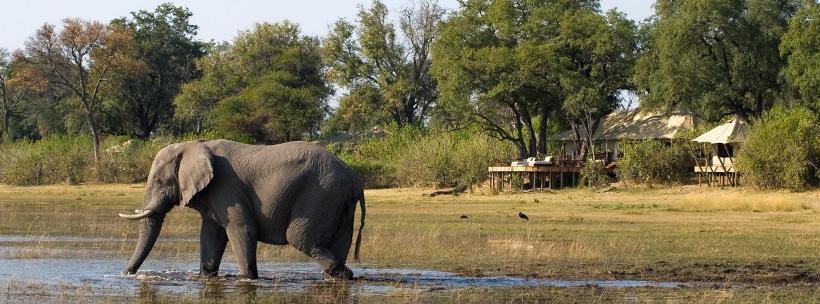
x=195 y=170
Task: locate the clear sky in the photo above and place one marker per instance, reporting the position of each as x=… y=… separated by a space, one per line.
x=217 y=20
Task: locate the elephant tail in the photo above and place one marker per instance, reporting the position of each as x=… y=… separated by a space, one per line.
x=360 y=199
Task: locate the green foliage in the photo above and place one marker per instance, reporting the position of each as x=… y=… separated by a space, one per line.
x=713 y=57
x=593 y=175
x=384 y=67
x=783 y=150
x=510 y=66
x=801 y=44
x=70 y=159
x=376 y=159
x=162 y=56
x=451 y=158
x=650 y=161
x=413 y=157
x=267 y=87
x=128 y=160
x=358 y=111
x=54 y=159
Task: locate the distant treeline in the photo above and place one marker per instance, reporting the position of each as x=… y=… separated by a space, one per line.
x=517 y=71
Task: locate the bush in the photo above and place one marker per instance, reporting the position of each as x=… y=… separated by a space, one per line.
x=783 y=150
x=376 y=159
x=451 y=158
x=128 y=160
x=70 y=159
x=414 y=157
x=54 y=159
x=650 y=161
x=593 y=175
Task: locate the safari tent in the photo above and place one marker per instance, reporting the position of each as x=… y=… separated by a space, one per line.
x=627 y=125
x=716 y=164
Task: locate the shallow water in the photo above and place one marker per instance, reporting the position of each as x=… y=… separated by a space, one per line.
x=102 y=276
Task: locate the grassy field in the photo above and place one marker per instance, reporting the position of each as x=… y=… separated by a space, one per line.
x=765 y=245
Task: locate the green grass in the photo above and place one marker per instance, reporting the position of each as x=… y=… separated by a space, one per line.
x=675 y=234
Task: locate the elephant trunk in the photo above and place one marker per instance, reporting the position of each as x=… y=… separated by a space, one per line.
x=148 y=236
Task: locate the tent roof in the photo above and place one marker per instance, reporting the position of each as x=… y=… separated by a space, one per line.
x=732 y=131
x=637 y=125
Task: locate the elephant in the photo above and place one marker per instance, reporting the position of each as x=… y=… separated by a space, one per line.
x=295 y=193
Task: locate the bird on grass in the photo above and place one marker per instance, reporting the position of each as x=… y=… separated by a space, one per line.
x=523 y=216
x=464 y=216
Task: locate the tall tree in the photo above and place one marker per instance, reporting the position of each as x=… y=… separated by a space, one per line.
x=601 y=51
x=79 y=58
x=373 y=56
x=716 y=57
x=163 y=57
x=801 y=47
x=18 y=83
x=266 y=87
x=511 y=66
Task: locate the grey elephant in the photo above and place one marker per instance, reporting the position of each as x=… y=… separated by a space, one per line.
x=294 y=193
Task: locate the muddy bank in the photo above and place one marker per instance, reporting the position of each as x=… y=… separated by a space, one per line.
x=771 y=273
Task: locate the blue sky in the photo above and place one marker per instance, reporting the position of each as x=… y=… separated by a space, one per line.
x=218 y=20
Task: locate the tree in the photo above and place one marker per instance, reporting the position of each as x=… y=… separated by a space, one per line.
x=371 y=56
x=162 y=58
x=79 y=58
x=193 y=105
x=266 y=87
x=511 y=66
x=717 y=57
x=18 y=83
x=801 y=47
x=601 y=51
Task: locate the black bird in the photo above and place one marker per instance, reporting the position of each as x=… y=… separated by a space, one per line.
x=523 y=216
x=464 y=216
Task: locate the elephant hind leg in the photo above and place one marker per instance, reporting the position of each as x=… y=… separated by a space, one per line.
x=306 y=238
x=343 y=238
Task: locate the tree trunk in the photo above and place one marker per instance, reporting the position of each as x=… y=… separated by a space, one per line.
x=531 y=141
x=89 y=116
x=5 y=113
x=5 y=121
x=542 y=130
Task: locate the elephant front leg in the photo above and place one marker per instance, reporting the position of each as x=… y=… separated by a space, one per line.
x=243 y=243
x=212 y=241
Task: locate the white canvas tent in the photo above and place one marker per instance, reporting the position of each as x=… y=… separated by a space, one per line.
x=632 y=125
x=724 y=139
x=733 y=131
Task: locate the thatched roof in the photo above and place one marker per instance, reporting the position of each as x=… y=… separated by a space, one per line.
x=638 y=125
x=732 y=131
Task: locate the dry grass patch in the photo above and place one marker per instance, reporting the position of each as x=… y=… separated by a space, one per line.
x=739 y=201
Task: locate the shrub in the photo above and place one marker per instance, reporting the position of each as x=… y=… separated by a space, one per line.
x=128 y=160
x=414 y=157
x=593 y=174
x=451 y=158
x=650 y=161
x=376 y=159
x=783 y=150
x=54 y=159
x=70 y=159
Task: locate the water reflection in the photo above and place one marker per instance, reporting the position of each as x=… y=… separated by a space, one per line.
x=163 y=277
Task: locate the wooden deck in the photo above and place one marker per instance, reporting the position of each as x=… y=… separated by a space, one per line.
x=532 y=177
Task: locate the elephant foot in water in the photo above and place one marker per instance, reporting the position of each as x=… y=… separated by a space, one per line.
x=338 y=272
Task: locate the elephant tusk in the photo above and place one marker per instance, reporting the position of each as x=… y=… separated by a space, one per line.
x=137 y=216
